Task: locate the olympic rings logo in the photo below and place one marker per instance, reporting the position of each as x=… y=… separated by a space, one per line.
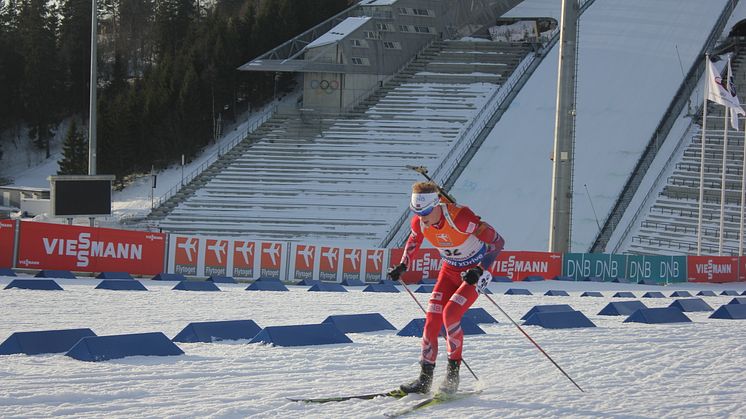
x=325 y=85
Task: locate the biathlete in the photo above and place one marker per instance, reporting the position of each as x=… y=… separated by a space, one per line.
x=468 y=247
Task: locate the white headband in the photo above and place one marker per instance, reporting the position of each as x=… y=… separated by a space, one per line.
x=422 y=201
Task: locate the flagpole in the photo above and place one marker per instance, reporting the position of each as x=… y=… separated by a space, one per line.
x=702 y=158
x=722 y=182
x=743 y=195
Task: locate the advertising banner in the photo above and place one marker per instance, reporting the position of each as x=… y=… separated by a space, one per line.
x=185 y=252
x=518 y=265
x=271 y=261
x=712 y=268
x=329 y=263
x=351 y=264
x=599 y=265
x=304 y=258
x=7 y=239
x=216 y=257
x=244 y=258
x=661 y=269
x=374 y=265
x=425 y=265
x=87 y=249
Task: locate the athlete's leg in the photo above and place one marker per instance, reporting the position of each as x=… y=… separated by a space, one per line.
x=444 y=288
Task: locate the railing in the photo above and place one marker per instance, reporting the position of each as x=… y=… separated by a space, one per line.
x=237 y=137
x=675 y=107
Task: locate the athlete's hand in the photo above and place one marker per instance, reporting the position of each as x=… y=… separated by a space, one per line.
x=472 y=275
x=395 y=271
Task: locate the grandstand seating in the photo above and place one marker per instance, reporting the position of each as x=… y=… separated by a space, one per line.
x=343 y=166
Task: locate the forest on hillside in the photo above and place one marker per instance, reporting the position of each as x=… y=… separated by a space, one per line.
x=166 y=72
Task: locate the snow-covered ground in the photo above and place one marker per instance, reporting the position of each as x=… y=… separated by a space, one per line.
x=627 y=369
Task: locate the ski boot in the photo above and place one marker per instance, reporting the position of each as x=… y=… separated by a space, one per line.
x=450 y=384
x=423 y=382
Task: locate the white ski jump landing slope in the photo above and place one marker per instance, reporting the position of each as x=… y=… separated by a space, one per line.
x=628 y=370
x=628 y=72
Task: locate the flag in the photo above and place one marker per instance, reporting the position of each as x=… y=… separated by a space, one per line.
x=723 y=92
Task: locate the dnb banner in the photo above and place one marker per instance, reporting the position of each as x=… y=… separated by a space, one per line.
x=635 y=268
x=87 y=249
x=206 y=256
x=7 y=238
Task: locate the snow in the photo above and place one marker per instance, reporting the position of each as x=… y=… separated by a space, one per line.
x=627 y=369
x=339 y=32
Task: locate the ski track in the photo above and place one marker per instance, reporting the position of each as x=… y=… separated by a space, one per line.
x=628 y=370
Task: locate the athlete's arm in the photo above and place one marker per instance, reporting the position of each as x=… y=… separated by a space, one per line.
x=414 y=241
x=469 y=222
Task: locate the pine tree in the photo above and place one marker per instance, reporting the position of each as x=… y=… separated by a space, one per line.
x=74 y=152
x=75 y=53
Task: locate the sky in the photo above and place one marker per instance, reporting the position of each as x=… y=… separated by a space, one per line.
x=626 y=369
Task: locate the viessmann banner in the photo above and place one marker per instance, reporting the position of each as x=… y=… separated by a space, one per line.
x=87 y=249
x=712 y=268
x=7 y=238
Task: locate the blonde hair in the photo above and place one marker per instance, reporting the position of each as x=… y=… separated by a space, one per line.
x=424 y=187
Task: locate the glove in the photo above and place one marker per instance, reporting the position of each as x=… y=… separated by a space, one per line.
x=396 y=271
x=478 y=277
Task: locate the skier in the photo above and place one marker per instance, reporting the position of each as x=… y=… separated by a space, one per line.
x=468 y=247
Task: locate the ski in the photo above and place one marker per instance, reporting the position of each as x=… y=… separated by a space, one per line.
x=398 y=394
x=432 y=401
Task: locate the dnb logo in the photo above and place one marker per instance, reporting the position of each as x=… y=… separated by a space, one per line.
x=186 y=255
x=305 y=257
x=373 y=265
x=270 y=260
x=351 y=264
x=216 y=257
x=243 y=258
x=328 y=263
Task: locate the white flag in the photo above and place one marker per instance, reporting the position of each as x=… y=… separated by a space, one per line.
x=723 y=92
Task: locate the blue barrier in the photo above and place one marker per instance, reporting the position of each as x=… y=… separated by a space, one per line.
x=219 y=330
x=43 y=342
x=353 y=282
x=429 y=281
x=557 y=293
x=380 y=288
x=653 y=294
x=658 y=316
x=518 y=291
x=34 y=284
x=681 y=294
x=267 y=286
x=416 y=326
x=104 y=348
x=114 y=275
x=621 y=308
x=165 y=276
x=707 y=293
x=308 y=282
x=270 y=279
x=120 y=285
x=359 y=323
x=48 y=273
x=624 y=294
x=650 y=282
x=388 y=282
x=691 y=304
x=621 y=280
x=737 y=300
x=328 y=287
x=547 y=308
x=743 y=293
x=501 y=279
x=7 y=272
x=564 y=278
x=301 y=335
x=730 y=312
x=559 y=320
x=195 y=286
x=479 y=315
x=591 y=294
x=729 y=293
x=218 y=279
x=425 y=288
x=533 y=278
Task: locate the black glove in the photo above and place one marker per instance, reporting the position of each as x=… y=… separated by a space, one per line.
x=396 y=271
x=472 y=275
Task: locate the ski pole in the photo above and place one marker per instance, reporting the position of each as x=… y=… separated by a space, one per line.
x=423 y=171
x=533 y=341
x=463 y=361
